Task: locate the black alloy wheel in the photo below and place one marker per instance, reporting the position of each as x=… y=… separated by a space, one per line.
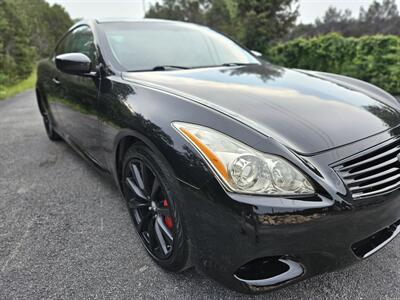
x=148 y=192
x=149 y=206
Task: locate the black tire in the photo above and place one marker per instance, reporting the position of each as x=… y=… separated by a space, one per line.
x=141 y=157
x=47 y=120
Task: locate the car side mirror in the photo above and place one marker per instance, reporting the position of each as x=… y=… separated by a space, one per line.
x=256 y=53
x=74 y=63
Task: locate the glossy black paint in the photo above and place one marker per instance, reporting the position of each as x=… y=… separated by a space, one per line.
x=282 y=103
x=73 y=63
x=312 y=119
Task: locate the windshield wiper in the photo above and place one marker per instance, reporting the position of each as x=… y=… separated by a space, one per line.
x=172 y=67
x=233 y=64
x=161 y=68
x=168 y=67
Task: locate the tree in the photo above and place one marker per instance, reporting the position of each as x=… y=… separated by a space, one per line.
x=46 y=23
x=217 y=14
x=378 y=12
x=16 y=56
x=262 y=22
x=379 y=18
x=220 y=16
x=335 y=20
x=28 y=31
x=181 y=10
x=334 y=16
x=256 y=23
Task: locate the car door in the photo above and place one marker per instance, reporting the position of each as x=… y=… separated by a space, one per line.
x=77 y=106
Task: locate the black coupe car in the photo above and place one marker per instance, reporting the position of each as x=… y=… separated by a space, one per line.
x=257 y=175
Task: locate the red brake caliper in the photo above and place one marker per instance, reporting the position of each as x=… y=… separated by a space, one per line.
x=167 y=219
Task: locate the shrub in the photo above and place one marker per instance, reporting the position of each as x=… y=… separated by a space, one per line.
x=375 y=59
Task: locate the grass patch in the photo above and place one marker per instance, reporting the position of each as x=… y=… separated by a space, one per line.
x=22 y=86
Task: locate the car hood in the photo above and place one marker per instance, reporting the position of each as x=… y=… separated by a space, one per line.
x=307 y=111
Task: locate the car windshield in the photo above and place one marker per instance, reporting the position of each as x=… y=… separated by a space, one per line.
x=146 y=46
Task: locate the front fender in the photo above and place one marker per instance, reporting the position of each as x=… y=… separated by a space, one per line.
x=357 y=85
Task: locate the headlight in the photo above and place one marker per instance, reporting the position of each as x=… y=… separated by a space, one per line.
x=243 y=169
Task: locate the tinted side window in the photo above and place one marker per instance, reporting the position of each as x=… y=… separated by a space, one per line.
x=79 y=40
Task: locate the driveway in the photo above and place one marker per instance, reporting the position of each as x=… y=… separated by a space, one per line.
x=65 y=233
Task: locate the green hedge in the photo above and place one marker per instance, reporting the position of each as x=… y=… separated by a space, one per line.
x=375 y=59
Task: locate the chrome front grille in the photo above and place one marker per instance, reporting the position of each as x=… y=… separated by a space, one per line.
x=372 y=172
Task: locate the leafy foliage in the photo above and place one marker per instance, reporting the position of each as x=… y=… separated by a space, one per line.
x=181 y=10
x=16 y=56
x=262 y=22
x=28 y=31
x=381 y=17
x=46 y=23
x=375 y=59
x=255 y=23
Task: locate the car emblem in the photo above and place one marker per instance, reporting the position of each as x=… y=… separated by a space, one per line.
x=398 y=157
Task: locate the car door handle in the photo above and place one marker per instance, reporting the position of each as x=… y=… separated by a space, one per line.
x=56 y=81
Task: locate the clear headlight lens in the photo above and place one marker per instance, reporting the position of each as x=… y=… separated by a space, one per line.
x=243 y=169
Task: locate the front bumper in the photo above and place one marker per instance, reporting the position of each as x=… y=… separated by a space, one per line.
x=226 y=234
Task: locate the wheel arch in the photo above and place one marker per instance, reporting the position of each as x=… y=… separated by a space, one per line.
x=123 y=141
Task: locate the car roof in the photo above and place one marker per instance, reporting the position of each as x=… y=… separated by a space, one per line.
x=122 y=20
x=131 y=20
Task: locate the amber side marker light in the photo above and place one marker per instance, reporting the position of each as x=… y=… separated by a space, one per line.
x=207 y=152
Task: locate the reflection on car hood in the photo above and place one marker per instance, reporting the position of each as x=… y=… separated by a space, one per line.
x=307 y=111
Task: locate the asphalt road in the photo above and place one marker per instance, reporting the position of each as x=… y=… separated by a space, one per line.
x=65 y=233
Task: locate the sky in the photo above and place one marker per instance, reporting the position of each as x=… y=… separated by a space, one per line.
x=309 y=9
